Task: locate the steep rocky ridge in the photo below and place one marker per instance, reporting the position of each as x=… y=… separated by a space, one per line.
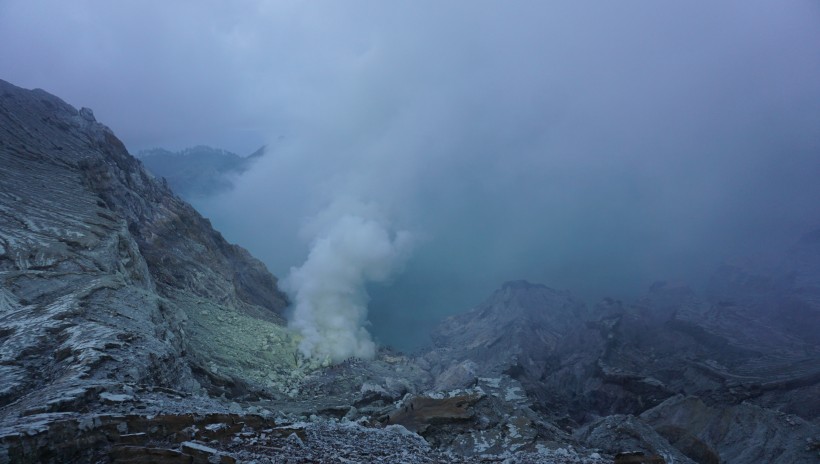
x=102 y=266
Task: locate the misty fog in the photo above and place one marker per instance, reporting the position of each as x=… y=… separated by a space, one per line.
x=595 y=147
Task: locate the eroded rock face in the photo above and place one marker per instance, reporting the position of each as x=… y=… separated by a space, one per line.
x=102 y=268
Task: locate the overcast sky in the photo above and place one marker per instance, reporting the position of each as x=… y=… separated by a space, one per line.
x=593 y=146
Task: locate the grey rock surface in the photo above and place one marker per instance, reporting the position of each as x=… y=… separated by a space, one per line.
x=102 y=267
x=734 y=433
x=618 y=365
x=515 y=331
x=618 y=432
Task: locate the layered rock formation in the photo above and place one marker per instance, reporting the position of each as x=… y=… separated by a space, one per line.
x=105 y=274
x=102 y=263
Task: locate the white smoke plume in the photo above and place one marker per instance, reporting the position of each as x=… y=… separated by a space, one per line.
x=328 y=290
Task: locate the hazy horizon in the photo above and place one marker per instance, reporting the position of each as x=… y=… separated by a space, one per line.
x=593 y=147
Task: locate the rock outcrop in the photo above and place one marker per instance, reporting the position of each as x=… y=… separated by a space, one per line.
x=102 y=263
x=105 y=274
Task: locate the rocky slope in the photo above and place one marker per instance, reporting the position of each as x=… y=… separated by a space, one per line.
x=131 y=331
x=100 y=262
x=103 y=272
x=727 y=379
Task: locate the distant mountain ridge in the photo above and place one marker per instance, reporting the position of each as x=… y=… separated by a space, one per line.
x=199 y=171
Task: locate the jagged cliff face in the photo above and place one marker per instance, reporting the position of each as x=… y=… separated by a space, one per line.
x=104 y=273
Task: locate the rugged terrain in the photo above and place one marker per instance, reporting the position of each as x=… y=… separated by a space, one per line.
x=131 y=331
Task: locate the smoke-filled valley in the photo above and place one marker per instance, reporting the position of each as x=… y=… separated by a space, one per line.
x=474 y=232
x=598 y=158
